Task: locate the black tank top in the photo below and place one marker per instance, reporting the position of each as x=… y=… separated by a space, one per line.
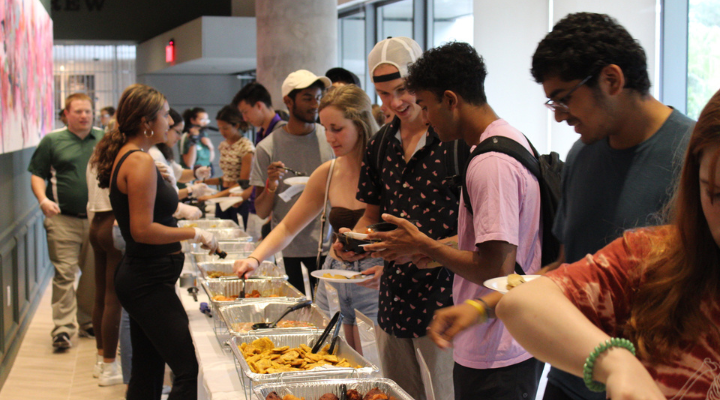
x=166 y=202
x=341 y=217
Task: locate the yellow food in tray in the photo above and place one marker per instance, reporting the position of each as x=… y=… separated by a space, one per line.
x=514 y=280
x=264 y=358
x=218 y=274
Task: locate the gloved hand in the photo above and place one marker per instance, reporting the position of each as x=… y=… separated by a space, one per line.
x=165 y=172
x=49 y=208
x=207 y=239
x=199 y=190
x=202 y=173
x=187 y=211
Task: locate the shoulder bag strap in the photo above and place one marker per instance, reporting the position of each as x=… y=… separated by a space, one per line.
x=323 y=217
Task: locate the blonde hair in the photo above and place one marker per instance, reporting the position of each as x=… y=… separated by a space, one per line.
x=356 y=106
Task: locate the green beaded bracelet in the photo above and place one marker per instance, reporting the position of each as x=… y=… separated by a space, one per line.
x=590 y=361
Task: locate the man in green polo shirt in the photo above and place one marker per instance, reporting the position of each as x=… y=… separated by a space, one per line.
x=58 y=181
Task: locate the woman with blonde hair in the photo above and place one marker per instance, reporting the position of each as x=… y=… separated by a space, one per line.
x=654 y=292
x=143 y=204
x=346 y=114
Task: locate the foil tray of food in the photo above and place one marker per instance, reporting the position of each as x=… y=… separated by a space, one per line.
x=281 y=356
x=224 y=269
x=357 y=389
x=224 y=292
x=240 y=317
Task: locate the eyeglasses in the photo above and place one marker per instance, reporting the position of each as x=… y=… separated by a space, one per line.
x=561 y=104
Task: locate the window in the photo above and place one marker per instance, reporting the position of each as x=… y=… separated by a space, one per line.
x=351 y=38
x=452 y=20
x=100 y=71
x=703 y=54
x=395 y=19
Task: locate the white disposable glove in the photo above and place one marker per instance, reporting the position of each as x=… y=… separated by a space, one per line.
x=207 y=239
x=49 y=208
x=202 y=173
x=165 y=172
x=187 y=211
x=199 y=190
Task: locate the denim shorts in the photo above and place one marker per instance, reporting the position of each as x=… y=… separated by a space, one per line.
x=350 y=295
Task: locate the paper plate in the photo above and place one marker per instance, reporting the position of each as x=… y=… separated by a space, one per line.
x=297 y=180
x=236 y=190
x=319 y=274
x=500 y=283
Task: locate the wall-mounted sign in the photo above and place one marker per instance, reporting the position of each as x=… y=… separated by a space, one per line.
x=170 y=52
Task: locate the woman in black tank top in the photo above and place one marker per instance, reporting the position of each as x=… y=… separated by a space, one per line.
x=143 y=204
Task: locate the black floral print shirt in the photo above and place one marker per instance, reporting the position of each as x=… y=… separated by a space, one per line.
x=414 y=190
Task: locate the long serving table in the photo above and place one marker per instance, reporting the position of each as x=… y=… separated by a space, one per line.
x=217 y=377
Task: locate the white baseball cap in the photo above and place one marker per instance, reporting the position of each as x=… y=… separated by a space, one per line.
x=396 y=51
x=302 y=79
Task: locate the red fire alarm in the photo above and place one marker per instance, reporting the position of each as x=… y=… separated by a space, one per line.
x=170 y=51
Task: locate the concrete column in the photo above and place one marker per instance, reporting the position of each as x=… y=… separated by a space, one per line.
x=292 y=35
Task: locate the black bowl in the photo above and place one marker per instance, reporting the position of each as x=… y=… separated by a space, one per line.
x=351 y=242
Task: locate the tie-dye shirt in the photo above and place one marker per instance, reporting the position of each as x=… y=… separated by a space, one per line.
x=414 y=190
x=601 y=286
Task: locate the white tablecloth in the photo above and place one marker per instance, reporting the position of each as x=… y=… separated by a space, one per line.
x=217 y=377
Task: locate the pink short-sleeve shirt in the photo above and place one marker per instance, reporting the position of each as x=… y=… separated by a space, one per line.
x=506 y=207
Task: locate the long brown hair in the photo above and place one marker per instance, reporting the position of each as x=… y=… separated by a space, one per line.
x=138 y=103
x=684 y=266
x=355 y=106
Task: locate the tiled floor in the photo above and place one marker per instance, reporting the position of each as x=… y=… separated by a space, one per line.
x=40 y=373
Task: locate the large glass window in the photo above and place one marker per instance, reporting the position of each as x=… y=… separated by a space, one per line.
x=100 y=71
x=703 y=53
x=395 y=19
x=452 y=20
x=351 y=38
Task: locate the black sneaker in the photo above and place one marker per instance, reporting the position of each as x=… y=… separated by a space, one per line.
x=88 y=332
x=61 y=341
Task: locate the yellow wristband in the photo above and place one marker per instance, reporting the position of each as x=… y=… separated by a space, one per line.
x=480 y=307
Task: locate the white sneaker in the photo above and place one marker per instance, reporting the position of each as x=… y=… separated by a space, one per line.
x=98 y=367
x=111 y=375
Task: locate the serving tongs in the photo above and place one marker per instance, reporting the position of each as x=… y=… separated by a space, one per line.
x=336 y=322
x=266 y=325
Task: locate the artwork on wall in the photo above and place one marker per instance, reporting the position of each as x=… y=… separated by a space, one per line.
x=26 y=74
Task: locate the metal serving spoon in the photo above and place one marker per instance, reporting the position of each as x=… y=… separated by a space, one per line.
x=266 y=325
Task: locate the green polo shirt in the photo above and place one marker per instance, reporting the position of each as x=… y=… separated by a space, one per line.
x=61 y=158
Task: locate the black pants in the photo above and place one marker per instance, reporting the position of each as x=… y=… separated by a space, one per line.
x=514 y=382
x=159 y=329
x=553 y=392
x=232 y=213
x=295 y=278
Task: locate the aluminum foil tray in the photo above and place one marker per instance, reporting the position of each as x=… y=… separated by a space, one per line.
x=207 y=223
x=367 y=370
x=267 y=287
x=228 y=246
x=266 y=269
x=313 y=390
x=269 y=311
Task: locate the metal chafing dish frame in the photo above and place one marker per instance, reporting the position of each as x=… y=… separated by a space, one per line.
x=250 y=379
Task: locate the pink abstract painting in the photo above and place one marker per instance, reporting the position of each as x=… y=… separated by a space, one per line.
x=26 y=74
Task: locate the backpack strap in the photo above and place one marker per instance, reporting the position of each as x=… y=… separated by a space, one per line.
x=383 y=138
x=512 y=148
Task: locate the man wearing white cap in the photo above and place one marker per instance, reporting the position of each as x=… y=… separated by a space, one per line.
x=403 y=174
x=301 y=146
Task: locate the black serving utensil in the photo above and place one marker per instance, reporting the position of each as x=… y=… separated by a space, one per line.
x=297 y=173
x=220 y=253
x=265 y=325
x=343 y=392
x=325 y=333
x=334 y=340
x=242 y=291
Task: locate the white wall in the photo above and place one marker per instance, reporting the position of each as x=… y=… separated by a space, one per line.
x=506 y=35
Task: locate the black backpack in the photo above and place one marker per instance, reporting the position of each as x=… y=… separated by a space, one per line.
x=548 y=170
